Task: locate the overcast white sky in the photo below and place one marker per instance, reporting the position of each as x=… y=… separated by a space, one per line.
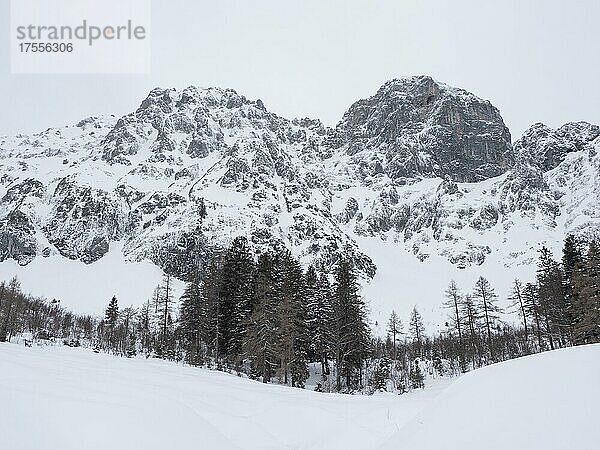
x=535 y=60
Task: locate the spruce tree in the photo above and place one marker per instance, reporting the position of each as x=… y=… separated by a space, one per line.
x=572 y=257
x=292 y=320
x=417 y=379
x=211 y=309
x=260 y=342
x=190 y=323
x=235 y=293
x=572 y=265
x=320 y=318
x=311 y=280
x=587 y=306
x=111 y=316
x=381 y=374
x=351 y=334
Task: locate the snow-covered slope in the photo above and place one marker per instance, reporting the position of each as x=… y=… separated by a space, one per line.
x=62 y=398
x=418 y=183
x=70 y=399
x=547 y=401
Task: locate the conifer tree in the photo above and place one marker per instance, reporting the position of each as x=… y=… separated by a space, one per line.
x=572 y=257
x=260 y=343
x=235 y=292
x=572 y=265
x=320 y=318
x=381 y=374
x=211 y=310
x=351 y=334
x=311 y=281
x=144 y=328
x=532 y=309
x=394 y=330
x=587 y=306
x=416 y=328
x=163 y=320
x=201 y=211
x=471 y=316
x=292 y=320
x=453 y=301
x=11 y=296
x=553 y=299
x=518 y=302
x=127 y=336
x=417 y=379
x=3 y=295
x=486 y=298
x=111 y=316
x=190 y=323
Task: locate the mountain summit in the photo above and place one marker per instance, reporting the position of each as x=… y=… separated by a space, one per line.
x=422 y=168
x=419 y=127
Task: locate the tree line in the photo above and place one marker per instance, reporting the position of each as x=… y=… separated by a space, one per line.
x=560 y=308
x=269 y=318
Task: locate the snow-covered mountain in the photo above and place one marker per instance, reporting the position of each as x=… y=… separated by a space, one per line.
x=420 y=179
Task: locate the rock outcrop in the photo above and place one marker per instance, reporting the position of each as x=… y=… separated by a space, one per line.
x=419 y=127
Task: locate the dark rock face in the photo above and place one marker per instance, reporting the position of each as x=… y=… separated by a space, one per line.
x=418 y=127
x=547 y=148
x=19 y=191
x=84 y=221
x=526 y=191
x=486 y=218
x=17 y=240
x=349 y=211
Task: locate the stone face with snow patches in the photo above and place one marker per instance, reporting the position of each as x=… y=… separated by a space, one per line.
x=421 y=164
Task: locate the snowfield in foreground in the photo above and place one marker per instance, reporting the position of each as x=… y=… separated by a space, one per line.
x=71 y=399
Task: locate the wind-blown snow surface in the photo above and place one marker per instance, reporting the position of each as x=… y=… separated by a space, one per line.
x=68 y=399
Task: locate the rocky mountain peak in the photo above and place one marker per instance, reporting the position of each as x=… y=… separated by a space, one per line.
x=393 y=170
x=192 y=121
x=418 y=127
x=547 y=147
